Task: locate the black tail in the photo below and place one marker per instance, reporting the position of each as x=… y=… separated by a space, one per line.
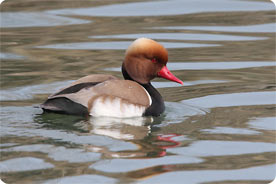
x=63 y=105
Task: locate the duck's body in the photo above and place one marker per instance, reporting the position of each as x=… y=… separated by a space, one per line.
x=106 y=95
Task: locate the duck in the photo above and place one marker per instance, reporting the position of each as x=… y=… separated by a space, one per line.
x=105 y=95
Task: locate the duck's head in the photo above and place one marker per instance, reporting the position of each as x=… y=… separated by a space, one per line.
x=146 y=59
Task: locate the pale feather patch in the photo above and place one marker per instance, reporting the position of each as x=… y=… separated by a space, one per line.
x=139 y=42
x=150 y=100
x=115 y=107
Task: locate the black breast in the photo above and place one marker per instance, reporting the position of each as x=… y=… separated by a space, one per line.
x=157 y=107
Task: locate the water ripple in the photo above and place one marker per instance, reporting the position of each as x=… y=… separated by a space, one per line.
x=219 y=148
x=172 y=7
x=36 y=19
x=234 y=99
x=184 y=36
x=83 y=179
x=267 y=123
x=230 y=130
x=117 y=45
x=259 y=28
x=266 y=172
x=24 y=164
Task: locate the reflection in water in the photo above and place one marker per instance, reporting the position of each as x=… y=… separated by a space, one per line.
x=260 y=28
x=184 y=36
x=258 y=173
x=220 y=125
x=228 y=130
x=121 y=128
x=119 y=45
x=57 y=153
x=234 y=99
x=126 y=165
x=36 y=19
x=172 y=7
x=84 y=179
x=10 y=56
x=19 y=164
x=221 y=148
x=267 y=123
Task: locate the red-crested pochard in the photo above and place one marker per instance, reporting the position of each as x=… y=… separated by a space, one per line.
x=106 y=95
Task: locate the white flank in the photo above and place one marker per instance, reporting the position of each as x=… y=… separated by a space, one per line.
x=115 y=108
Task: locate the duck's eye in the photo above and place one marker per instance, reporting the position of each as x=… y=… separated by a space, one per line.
x=154 y=60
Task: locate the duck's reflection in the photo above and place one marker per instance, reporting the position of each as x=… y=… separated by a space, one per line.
x=121 y=128
x=137 y=131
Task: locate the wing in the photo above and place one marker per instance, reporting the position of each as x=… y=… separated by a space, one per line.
x=59 y=103
x=84 y=82
x=120 y=98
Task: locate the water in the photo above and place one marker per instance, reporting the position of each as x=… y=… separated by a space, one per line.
x=219 y=127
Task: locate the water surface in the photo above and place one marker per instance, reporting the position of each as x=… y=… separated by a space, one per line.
x=219 y=127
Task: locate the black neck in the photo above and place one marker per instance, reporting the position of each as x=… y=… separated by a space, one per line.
x=157 y=107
